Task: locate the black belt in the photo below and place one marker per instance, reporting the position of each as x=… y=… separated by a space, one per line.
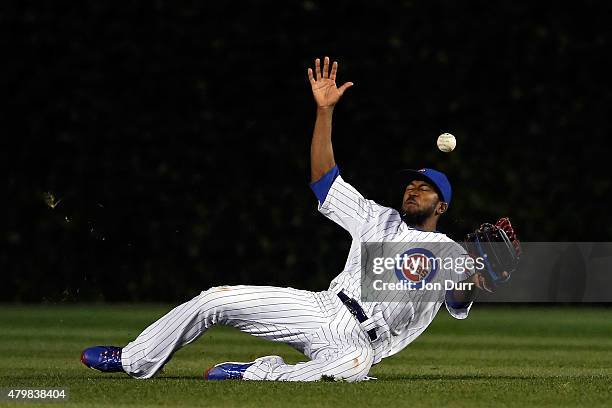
x=356 y=310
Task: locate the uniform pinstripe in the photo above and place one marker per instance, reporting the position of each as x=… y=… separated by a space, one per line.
x=368 y=221
x=315 y=323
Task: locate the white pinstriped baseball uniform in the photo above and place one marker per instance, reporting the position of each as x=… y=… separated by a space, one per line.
x=317 y=324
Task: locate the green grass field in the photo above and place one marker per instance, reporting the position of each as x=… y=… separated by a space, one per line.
x=498 y=357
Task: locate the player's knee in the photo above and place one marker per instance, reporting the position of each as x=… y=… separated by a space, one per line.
x=361 y=367
x=213 y=301
x=213 y=293
x=219 y=289
x=355 y=367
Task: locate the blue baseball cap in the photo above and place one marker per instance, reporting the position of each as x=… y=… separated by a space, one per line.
x=434 y=177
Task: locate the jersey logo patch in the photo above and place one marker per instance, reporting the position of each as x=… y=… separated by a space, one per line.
x=415 y=266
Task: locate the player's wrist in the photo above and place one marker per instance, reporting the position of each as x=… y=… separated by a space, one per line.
x=325 y=110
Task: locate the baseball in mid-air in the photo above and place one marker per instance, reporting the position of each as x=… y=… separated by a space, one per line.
x=446 y=142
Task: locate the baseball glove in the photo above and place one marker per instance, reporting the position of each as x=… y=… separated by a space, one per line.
x=499 y=250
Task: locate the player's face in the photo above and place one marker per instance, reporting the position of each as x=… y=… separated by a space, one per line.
x=420 y=199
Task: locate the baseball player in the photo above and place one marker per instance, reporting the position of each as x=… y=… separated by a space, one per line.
x=341 y=335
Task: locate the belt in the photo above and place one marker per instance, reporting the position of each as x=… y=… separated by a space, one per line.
x=356 y=310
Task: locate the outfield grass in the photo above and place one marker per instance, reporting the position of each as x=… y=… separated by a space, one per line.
x=498 y=357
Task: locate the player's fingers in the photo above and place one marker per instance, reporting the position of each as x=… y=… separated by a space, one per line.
x=326 y=67
x=318 y=68
x=344 y=87
x=334 y=70
x=310 y=76
x=478 y=280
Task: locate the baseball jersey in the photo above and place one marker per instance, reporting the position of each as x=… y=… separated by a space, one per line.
x=366 y=221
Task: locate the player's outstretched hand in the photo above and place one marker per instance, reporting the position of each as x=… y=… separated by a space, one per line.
x=323 y=83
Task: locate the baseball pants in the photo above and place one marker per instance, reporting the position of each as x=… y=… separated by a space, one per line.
x=315 y=323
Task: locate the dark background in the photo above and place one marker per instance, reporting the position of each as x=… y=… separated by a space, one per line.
x=177 y=135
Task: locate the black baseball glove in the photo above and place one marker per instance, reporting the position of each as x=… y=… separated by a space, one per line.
x=498 y=249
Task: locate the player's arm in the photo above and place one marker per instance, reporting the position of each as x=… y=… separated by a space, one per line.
x=326 y=95
x=461 y=297
x=459 y=301
x=338 y=200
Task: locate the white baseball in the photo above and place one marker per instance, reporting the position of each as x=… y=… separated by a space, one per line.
x=446 y=142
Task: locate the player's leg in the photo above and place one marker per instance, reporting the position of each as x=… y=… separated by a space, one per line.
x=339 y=349
x=348 y=364
x=279 y=314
